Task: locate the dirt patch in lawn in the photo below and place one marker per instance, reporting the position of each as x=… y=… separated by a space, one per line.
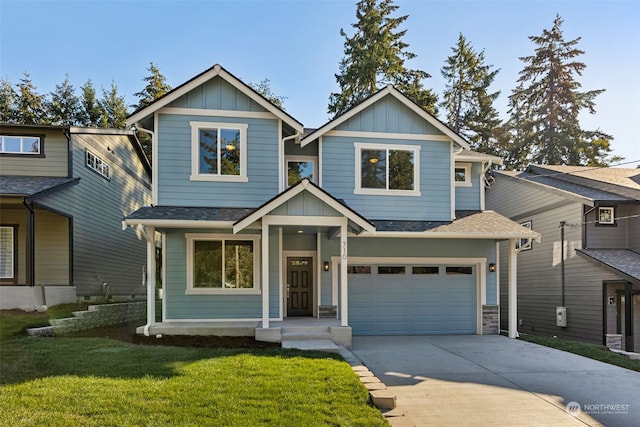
x=127 y=332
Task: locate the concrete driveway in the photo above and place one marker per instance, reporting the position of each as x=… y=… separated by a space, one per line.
x=496 y=381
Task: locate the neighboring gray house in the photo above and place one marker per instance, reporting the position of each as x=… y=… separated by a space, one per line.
x=63 y=193
x=588 y=260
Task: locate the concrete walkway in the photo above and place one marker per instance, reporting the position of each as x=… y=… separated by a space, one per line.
x=496 y=381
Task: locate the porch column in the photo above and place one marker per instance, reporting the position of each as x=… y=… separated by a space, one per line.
x=344 y=315
x=150 y=234
x=513 y=289
x=264 y=277
x=30 y=246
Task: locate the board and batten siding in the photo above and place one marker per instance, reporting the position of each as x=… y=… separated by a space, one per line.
x=624 y=234
x=102 y=251
x=434 y=202
x=54 y=162
x=175 y=187
x=217 y=94
x=468 y=198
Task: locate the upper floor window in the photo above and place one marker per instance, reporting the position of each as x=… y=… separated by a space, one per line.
x=299 y=168
x=606 y=216
x=462 y=175
x=387 y=169
x=218 y=151
x=98 y=164
x=21 y=145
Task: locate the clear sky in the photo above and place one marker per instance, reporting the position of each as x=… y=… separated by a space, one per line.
x=297 y=46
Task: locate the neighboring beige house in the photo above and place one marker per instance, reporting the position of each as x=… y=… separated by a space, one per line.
x=63 y=194
x=588 y=260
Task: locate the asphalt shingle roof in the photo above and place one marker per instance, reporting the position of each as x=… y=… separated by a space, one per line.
x=25 y=186
x=623 y=261
x=181 y=213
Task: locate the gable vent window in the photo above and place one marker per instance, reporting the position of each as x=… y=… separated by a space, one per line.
x=218 y=151
x=98 y=165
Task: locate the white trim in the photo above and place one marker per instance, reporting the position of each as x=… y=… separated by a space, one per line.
x=310 y=159
x=513 y=289
x=478 y=158
x=164 y=276
x=217 y=113
x=179 y=223
x=302 y=220
x=318 y=273
x=281 y=293
x=612 y=211
x=155 y=156
x=389 y=90
x=387 y=135
x=462 y=261
x=452 y=184
x=209 y=74
x=344 y=281
x=225 y=320
x=281 y=178
x=195 y=150
x=264 y=275
x=467 y=174
x=190 y=240
x=359 y=146
x=314 y=264
x=444 y=235
x=320 y=221
x=320 y=161
x=497 y=273
x=528 y=244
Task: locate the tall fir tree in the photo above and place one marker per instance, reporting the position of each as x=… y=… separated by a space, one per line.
x=374 y=56
x=8 y=101
x=545 y=105
x=114 y=108
x=156 y=87
x=468 y=102
x=90 y=110
x=30 y=104
x=264 y=89
x=64 y=107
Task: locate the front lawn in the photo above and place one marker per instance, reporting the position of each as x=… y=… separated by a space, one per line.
x=100 y=382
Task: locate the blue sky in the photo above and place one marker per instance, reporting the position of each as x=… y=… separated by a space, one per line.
x=297 y=46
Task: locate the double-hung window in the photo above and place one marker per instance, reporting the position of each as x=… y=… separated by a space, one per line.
x=217 y=263
x=383 y=169
x=21 y=145
x=8 y=254
x=218 y=151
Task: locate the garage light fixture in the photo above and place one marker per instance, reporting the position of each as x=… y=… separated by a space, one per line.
x=492 y=267
x=325 y=266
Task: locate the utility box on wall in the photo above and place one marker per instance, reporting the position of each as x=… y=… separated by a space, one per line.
x=561 y=317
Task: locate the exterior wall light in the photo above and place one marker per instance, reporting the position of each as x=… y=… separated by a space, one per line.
x=325 y=266
x=492 y=267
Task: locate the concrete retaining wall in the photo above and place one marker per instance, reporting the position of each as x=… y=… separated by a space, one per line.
x=29 y=298
x=100 y=315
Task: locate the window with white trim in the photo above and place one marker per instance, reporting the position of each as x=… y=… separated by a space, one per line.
x=8 y=253
x=21 y=145
x=525 y=244
x=606 y=216
x=218 y=151
x=383 y=169
x=462 y=174
x=219 y=264
x=97 y=164
x=299 y=168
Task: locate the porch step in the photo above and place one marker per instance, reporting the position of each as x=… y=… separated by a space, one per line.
x=305 y=333
x=312 y=344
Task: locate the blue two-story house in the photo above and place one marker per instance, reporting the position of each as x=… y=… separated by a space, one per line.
x=374 y=222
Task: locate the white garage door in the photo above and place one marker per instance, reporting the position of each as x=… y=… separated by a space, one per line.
x=412 y=299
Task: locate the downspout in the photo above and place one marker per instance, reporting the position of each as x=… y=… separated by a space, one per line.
x=562 y=225
x=484 y=185
x=584 y=227
x=30 y=246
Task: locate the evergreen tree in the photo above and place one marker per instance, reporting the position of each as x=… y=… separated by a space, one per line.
x=90 y=111
x=264 y=89
x=30 y=105
x=374 y=57
x=156 y=87
x=467 y=101
x=546 y=103
x=8 y=101
x=114 y=108
x=64 y=108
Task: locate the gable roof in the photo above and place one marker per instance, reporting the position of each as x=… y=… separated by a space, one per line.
x=623 y=177
x=389 y=90
x=623 y=262
x=288 y=194
x=205 y=76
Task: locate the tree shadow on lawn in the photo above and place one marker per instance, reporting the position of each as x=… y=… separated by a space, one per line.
x=117 y=352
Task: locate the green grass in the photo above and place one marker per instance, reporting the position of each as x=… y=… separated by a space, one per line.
x=101 y=382
x=14 y=322
x=593 y=351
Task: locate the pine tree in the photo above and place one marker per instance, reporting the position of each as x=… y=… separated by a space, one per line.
x=156 y=87
x=546 y=103
x=467 y=101
x=64 y=108
x=114 y=108
x=90 y=111
x=375 y=57
x=30 y=105
x=8 y=101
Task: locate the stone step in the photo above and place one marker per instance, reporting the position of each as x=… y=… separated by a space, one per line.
x=45 y=331
x=314 y=345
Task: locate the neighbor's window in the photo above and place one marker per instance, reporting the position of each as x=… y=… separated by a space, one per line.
x=97 y=164
x=299 y=168
x=8 y=253
x=218 y=151
x=462 y=174
x=21 y=145
x=387 y=169
x=218 y=264
x=606 y=216
x=525 y=244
